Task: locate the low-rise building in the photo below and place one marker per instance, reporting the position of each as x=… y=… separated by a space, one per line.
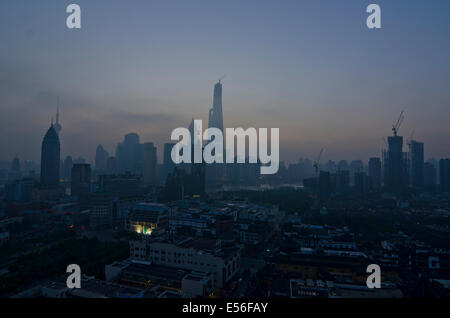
x=147 y=217
x=205 y=255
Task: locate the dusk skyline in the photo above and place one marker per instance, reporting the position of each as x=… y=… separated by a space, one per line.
x=310 y=159
x=313 y=70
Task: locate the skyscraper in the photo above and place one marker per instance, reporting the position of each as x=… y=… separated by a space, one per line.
x=324 y=184
x=101 y=156
x=417 y=164
x=15 y=164
x=355 y=167
x=216 y=171
x=150 y=161
x=361 y=182
x=129 y=154
x=50 y=156
x=395 y=165
x=29 y=169
x=168 y=162
x=430 y=175
x=215 y=113
x=111 y=165
x=81 y=181
x=15 y=172
x=375 y=172
x=67 y=171
x=342 y=181
x=343 y=166
x=444 y=175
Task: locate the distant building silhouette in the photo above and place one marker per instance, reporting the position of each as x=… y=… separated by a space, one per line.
x=417 y=164
x=15 y=172
x=149 y=162
x=81 y=182
x=30 y=169
x=67 y=168
x=362 y=182
x=50 y=156
x=101 y=155
x=15 y=164
x=330 y=166
x=19 y=190
x=430 y=175
x=169 y=165
x=343 y=165
x=174 y=185
x=395 y=163
x=129 y=154
x=180 y=183
x=444 y=175
x=342 y=181
x=324 y=185
x=120 y=186
x=111 y=165
x=375 y=172
x=79 y=160
x=196 y=180
x=355 y=167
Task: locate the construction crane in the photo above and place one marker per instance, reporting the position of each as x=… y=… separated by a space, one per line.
x=397 y=125
x=220 y=79
x=317 y=162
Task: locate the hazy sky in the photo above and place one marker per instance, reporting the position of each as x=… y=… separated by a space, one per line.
x=311 y=68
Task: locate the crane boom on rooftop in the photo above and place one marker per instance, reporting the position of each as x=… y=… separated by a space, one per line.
x=396 y=126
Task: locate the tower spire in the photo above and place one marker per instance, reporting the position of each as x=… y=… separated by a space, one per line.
x=57 y=125
x=57 y=110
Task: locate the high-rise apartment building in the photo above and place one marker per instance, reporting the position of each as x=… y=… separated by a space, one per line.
x=375 y=173
x=444 y=175
x=417 y=164
x=149 y=163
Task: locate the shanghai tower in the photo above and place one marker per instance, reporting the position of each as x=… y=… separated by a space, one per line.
x=215 y=113
x=215 y=172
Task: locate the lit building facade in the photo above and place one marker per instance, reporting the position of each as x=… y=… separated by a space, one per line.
x=145 y=218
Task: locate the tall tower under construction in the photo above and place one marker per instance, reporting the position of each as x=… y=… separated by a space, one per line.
x=216 y=172
x=395 y=161
x=215 y=113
